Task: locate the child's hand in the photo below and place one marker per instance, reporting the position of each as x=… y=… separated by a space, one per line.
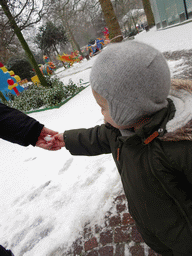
x=46 y=140
x=59 y=140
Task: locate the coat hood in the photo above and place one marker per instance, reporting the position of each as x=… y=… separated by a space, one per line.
x=180 y=127
x=172 y=123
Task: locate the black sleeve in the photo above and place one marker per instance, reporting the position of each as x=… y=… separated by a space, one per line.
x=89 y=142
x=18 y=127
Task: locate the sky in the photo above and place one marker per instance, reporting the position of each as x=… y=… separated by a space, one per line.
x=47 y=197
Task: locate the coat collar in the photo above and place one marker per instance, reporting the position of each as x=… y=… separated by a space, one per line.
x=155 y=127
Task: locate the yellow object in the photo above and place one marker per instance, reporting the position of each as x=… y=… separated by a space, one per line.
x=18 y=79
x=4 y=69
x=35 y=80
x=11 y=73
x=10 y=87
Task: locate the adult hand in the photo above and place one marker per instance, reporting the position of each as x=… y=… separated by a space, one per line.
x=47 y=144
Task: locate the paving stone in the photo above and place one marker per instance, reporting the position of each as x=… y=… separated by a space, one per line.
x=87 y=232
x=106 y=251
x=136 y=236
x=120 y=208
x=77 y=247
x=120 y=250
x=120 y=198
x=106 y=237
x=91 y=244
x=114 y=221
x=121 y=234
x=127 y=219
x=107 y=216
x=137 y=250
x=68 y=253
x=111 y=240
x=92 y=253
x=97 y=229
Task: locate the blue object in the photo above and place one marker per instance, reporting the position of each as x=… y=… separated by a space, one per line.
x=4 y=84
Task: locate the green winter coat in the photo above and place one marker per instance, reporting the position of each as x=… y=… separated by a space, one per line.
x=156 y=174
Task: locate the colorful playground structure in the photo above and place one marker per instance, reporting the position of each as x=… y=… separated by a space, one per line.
x=93 y=47
x=97 y=44
x=48 y=68
x=9 y=82
x=70 y=58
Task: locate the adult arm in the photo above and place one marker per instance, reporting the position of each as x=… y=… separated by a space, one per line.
x=19 y=128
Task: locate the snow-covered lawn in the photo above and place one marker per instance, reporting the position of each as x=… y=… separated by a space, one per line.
x=47 y=197
x=169 y=39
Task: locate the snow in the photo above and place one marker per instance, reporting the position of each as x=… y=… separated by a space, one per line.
x=47 y=197
x=169 y=39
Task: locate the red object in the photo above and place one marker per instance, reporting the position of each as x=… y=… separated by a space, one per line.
x=106 y=32
x=16 y=91
x=10 y=81
x=1 y=65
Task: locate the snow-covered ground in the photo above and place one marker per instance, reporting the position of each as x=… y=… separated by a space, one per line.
x=169 y=39
x=47 y=197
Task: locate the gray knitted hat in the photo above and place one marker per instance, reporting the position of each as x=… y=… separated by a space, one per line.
x=134 y=78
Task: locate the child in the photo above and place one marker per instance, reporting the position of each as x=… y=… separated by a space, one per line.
x=148 y=130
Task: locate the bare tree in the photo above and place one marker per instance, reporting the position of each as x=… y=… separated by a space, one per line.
x=65 y=12
x=26 y=14
x=124 y=11
x=83 y=20
x=24 y=44
x=9 y=44
x=94 y=22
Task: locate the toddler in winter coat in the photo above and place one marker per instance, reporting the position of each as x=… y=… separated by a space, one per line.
x=148 y=130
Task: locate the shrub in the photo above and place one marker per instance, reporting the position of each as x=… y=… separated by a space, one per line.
x=21 y=67
x=35 y=97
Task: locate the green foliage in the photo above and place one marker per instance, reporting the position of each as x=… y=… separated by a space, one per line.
x=2 y=98
x=50 y=36
x=35 y=97
x=21 y=67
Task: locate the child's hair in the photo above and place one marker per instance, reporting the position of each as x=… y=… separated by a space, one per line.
x=134 y=78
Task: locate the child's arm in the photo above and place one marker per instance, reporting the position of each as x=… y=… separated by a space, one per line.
x=89 y=142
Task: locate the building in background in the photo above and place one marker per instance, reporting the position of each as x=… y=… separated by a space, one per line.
x=169 y=12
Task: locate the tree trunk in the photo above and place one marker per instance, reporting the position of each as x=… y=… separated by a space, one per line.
x=2 y=97
x=24 y=44
x=148 y=13
x=111 y=21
